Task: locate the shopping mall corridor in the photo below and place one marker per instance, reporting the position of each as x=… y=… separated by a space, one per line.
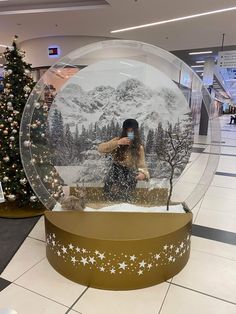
x=207 y=284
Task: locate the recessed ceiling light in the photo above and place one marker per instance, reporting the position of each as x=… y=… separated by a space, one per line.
x=199 y=71
x=197 y=66
x=174 y=20
x=200 y=61
x=200 y=52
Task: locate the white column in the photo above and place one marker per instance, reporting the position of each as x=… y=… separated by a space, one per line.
x=208 y=72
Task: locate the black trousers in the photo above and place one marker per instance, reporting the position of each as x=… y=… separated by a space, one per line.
x=232 y=119
x=120 y=183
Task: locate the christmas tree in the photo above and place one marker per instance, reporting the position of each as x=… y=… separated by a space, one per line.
x=18 y=84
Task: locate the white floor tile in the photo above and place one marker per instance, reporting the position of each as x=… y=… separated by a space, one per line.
x=38 y=232
x=221 y=191
x=140 y=301
x=184 y=301
x=216 y=219
x=43 y=279
x=213 y=247
x=227 y=164
x=31 y=252
x=226 y=182
x=219 y=203
x=26 y=302
x=209 y=274
x=228 y=150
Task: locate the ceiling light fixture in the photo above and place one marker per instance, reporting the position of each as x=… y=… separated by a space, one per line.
x=197 y=66
x=174 y=20
x=200 y=61
x=199 y=71
x=200 y=52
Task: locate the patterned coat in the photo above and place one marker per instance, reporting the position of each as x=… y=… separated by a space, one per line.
x=129 y=162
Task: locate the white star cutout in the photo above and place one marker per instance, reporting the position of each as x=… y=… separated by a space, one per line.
x=149 y=266
x=77 y=249
x=177 y=250
x=58 y=253
x=170 y=258
x=84 y=251
x=53 y=243
x=165 y=247
x=71 y=246
x=112 y=271
x=73 y=259
x=182 y=245
x=97 y=252
x=171 y=246
x=102 y=269
x=142 y=264
x=157 y=256
x=53 y=235
x=84 y=261
x=64 y=249
x=140 y=272
x=91 y=260
x=133 y=257
x=122 y=265
x=101 y=256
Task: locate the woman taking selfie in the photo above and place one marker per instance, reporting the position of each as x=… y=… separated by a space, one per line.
x=128 y=165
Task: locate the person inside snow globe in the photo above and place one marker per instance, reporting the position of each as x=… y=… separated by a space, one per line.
x=128 y=166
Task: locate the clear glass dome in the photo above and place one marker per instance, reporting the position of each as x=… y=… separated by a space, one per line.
x=72 y=128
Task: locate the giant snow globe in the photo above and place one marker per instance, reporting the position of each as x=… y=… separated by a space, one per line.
x=110 y=144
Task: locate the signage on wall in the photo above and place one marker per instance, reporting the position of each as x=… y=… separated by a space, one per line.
x=227 y=59
x=54 y=51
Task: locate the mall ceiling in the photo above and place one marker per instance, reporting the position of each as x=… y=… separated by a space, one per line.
x=42 y=18
x=39 y=18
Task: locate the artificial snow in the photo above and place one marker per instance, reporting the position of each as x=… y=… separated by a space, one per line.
x=125 y=207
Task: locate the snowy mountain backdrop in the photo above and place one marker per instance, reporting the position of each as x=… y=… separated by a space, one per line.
x=130 y=99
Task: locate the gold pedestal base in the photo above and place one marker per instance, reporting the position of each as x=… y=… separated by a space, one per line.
x=118 y=251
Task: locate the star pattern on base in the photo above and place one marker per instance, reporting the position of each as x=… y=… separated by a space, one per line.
x=118 y=263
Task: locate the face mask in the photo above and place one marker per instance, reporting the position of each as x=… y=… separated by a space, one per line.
x=130 y=135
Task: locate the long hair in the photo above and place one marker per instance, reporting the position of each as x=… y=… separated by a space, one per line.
x=134 y=147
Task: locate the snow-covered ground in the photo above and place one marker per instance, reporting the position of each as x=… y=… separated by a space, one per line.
x=125 y=207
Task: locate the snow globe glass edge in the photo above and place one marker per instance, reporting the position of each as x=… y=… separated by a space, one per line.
x=45 y=180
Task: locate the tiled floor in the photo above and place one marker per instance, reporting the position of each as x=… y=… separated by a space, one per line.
x=207 y=284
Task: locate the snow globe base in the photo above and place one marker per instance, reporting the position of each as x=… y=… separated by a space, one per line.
x=118 y=250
